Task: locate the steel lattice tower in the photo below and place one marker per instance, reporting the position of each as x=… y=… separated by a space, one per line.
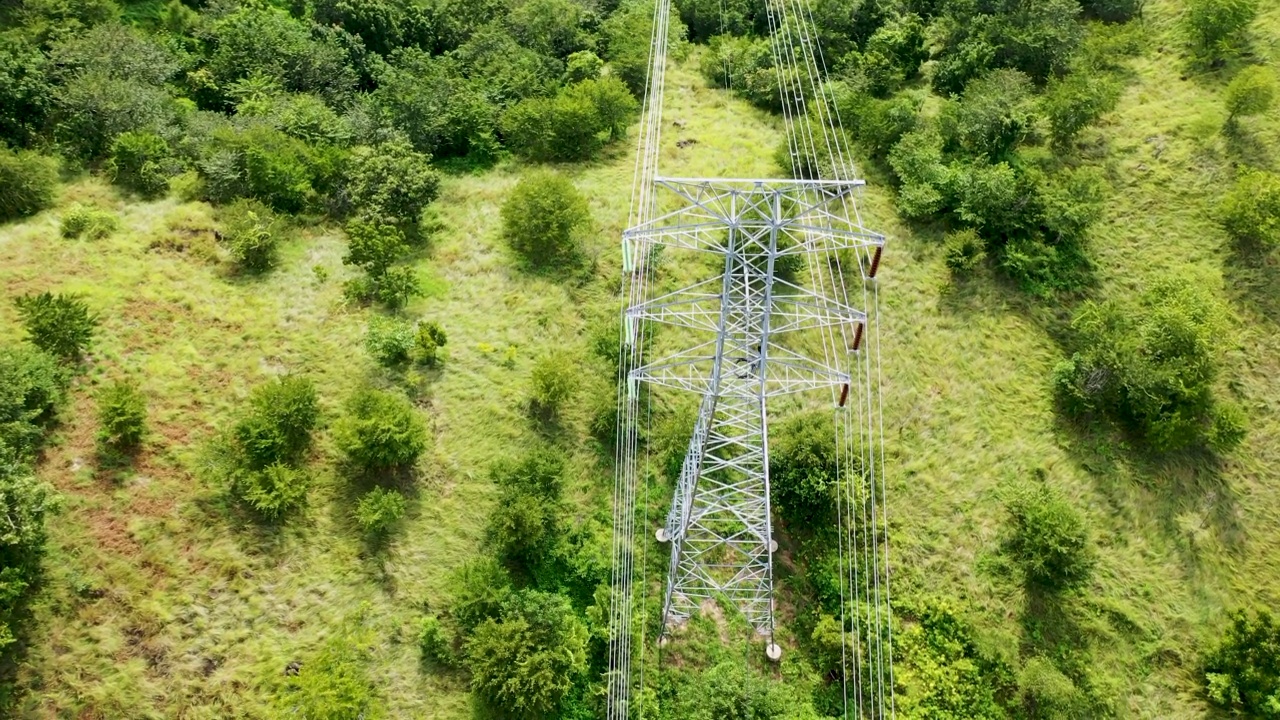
x=719 y=525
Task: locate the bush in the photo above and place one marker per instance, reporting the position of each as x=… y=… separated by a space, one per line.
x=89 y=222
x=525 y=662
x=523 y=526
x=58 y=324
x=542 y=218
x=443 y=113
x=733 y=691
x=477 y=592
x=1048 y=693
x=24 y=503
x=995 y=114
x=1250 y=212
x=122 y=416
x=265 y=164
x=428 y=340
x=374 y=246
x=272 y=491
x=391 y=181
x=1251 y=92
x=1216 y=28
x=582 y=65
x=251 y=234
x=1152 y=366
x=1113 y=10
x=574 y=124
x=277 y=427
x=626 y=35
x=397 y=286
x=142 y=162
x=434 y=641
x=389 y=340
x=804 y=472
x=1047 y=539
x=964 y=251
x=1074 y=101
x=265 y=41
x=1242 y=674
x=31 y=389
x=26 y=93
x=554 y=379
x=334 y=682
x=27 y=183
x=380 y=432
x=379 y=510
x=94 y=107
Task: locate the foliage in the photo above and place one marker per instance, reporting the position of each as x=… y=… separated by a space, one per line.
x=478 y=590
x=122 y=416
x=1242 y=674
x=389 y=340
x=573 y=124
x=25 y=502
x=1250 y=92
x=140 y=161
x=1151 y=366
x=26 y=93
x=379 y=510
x=625 y=35
x=542 y=217
x=263 y=163
x=524 y=662
x=965 y=250
x=251 y=234
x=1250 y=212
x=380 y=432
x=730 y=690
x=1047 y=692
x=1047 y=539
x=1113 y=10
x=555 y=380
x=878 y=124
x=375 y=246
x=277 y=425
x=944 y=675
x=434 y=641
x=427 y=341
x=58 y=324
x=27 y=183
x=1216 y=28
x=90 y=222
x=804 y=472
x=582 y=65
x=1076 y=100
x=1038 y=38
x=391 y=181
x=334 y=682
x=523 y=526
x=32 y=386
x=443 y=113
x=995 y=113
x=747 y=66
x=272 y=491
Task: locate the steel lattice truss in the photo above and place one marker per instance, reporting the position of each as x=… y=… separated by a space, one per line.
x=719 y=524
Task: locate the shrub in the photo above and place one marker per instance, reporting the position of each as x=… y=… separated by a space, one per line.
x=266 y=41
x=995 y=114
x=522 y=527
x=1151 y=366
x=396 y=286
x=525 y=662
x=582 y=65
x=434 y=641
x=1074 y=101
x=251 y=234
x=878 y=124
x=389 y=340
x=1047 y=692
x=94 y=107
x=804 y=472
x=733 y=691
x=27 y=183
x=272 y=491
x=626 y=36
x=277 y=427
x=391 y=181
x=59 y=324
x=1047 y=539
x=24 y=503
x=265 y=164
x=380 y=432
x=1242 y=674
x=89 y=222
x=443 y=113
x=31 y=389
x=373 y=246
x=334 y=682
x=1216 y=28
x=1250 y=212
x=964 y=251
x=428 y=340
x=1251 y=92
x=122 y=416
x=917 y=162
x=477 y=591
x=26 y=93
x=554 y=379
x=142 y=162
x=379 y=510
x=1113 y=10
x=542 y=217
x=574 y=124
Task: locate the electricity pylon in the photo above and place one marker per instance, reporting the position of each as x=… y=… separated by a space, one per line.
x=719 y=525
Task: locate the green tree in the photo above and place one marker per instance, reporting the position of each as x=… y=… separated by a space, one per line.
x=626 y=35
x=523 y=526
x=428 y=340
x=524 y=662
x=389 y=340
x=1242 y=674
x=965 y=250
x=272 y=491
x=555 y=380
x=24 y=503
x=804 y=472
x=1250 y=212
x=26 y=93
x=58 y=324
x=32 y=387
x=542 y=218
x=1076 y=100
x=251 y=234
x=333 y=683
x=380 y=432
x=379 y=510
x=995 y=113
x=1046 y=537
x=1217 y=28
x=276 y=427
x=122 y=416
x=1251 y=92
x=27 y=183
x=478 y=590
x=391 y=181
x=141 y=161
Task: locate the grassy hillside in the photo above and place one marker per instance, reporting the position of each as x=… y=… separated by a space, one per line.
x=164 y=600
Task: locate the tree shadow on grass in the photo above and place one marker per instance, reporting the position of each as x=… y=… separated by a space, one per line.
x=1244 y=147
x=350 y=485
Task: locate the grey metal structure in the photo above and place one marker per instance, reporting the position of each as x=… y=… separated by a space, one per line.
x=719 y=525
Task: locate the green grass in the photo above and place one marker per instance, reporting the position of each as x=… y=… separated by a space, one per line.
x=164 y=601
